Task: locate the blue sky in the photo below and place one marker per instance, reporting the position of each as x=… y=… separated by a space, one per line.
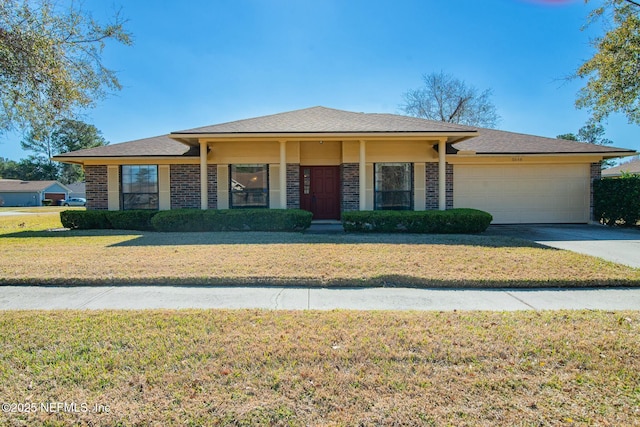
x=201 y=62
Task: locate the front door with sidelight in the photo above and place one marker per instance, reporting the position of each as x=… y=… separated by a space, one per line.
x=320 y=191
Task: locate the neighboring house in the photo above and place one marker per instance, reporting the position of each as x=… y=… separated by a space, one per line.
x=329 y=161
x=15 y=192
x=77 y=189
x=615 y=172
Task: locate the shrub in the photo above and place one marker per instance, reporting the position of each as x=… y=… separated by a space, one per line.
x=47 y=202
x=120 y=220
x=131 y=220
x=616 y=201
x=446 y=222
x=232 y=220
x=85 y=220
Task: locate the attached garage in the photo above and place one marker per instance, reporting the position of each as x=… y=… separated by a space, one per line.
x=525 y=193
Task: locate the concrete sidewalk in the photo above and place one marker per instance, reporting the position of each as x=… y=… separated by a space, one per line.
x=274 y=298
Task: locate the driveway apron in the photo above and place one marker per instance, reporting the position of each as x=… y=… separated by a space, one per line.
x=612 y=244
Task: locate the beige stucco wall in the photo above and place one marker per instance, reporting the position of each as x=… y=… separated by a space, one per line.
x=320 y=153
x=113 y=187
x=164 y=187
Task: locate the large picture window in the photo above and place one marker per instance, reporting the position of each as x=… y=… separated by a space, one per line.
x=393 y=186
x=249 y=186
x=139 y=187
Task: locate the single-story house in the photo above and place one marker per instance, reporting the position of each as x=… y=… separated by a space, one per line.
x=15 y=192
x=632 y=167
x=329 y=161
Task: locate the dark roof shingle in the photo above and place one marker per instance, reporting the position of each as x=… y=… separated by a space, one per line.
x=629 y=167
x=19 y=186
x=328 y=120
x=155 y=146
x=331 y=121
x=493 y=141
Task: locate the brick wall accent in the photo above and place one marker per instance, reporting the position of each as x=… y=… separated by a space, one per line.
x=185 y=186
x=97 y=187
x=350 y=189
x=293 y=186
x=596 y=175
x=212 y=186
x=431 y=185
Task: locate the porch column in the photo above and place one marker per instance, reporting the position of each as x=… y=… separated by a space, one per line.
x=362 y=176
x=442 y=174
x=283 y=174
x=204 y=190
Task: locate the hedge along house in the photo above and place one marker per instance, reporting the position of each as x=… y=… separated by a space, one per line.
x=328 y=161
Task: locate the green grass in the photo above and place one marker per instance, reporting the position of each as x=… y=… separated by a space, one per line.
x=251 y=367
x=30 y=255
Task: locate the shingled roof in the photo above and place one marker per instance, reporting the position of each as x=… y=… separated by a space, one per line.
x=157 y=146
x=20 y=186
x=321 y=120
x=328 y=120
x=629 y=167
x=492 y=141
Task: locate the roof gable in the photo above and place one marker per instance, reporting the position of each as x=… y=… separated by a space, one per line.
x=328 y=120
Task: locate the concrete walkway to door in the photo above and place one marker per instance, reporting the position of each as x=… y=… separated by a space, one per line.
x=613 y=244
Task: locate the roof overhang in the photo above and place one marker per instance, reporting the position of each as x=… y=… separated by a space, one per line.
x=77 y=160
x=451 y=137
x=606 y=155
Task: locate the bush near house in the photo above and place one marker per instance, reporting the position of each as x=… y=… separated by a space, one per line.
x=445 y=222
x=120 y=220
x=232 y=220
x=617 y=201
x=190 y=220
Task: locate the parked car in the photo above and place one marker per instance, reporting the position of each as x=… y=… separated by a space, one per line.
x=74 y=201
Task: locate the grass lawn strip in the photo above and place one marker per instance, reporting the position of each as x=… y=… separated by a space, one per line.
x=252 y=367
x=29 y=255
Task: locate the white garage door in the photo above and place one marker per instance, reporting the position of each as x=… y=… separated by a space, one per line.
x=524 y=193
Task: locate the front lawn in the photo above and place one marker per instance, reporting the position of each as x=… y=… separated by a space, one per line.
x=29 y=255
x=266 y=368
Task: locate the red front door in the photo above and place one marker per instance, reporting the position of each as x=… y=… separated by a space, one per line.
x=320 y=191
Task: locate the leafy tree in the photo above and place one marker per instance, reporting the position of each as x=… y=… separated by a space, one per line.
x=8 y=169
x=448 y=99
x=613 y=81
x=72 y=135
x=34 y=168
x=592 y=133
x=68 y=135
x=569 y=136
x=50 y=61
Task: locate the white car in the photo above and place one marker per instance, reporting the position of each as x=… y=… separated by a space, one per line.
x=74 y=201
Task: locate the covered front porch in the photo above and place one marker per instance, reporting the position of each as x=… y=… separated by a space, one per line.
x=326 y=176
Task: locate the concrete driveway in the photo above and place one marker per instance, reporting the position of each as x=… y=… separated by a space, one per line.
x=613 y=244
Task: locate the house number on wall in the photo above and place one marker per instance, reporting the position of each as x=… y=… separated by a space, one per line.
x=516 y=159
